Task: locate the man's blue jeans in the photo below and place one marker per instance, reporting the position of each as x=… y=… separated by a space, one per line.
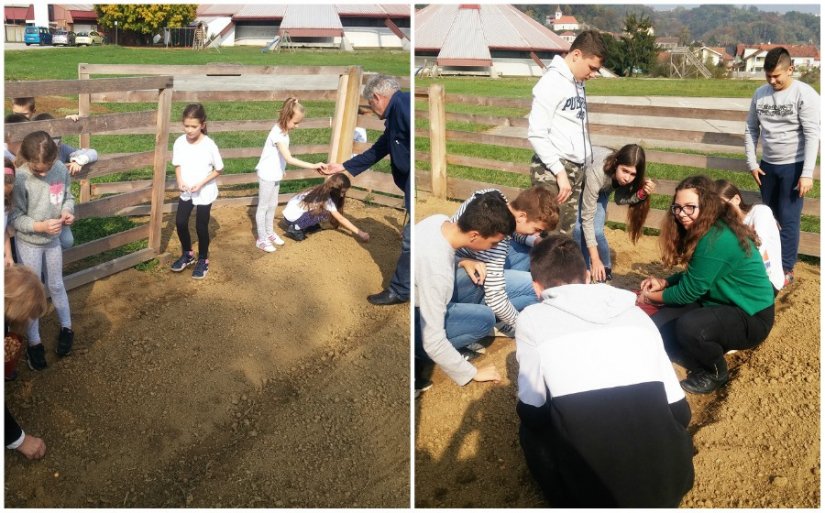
x=598 y=224
x=465 y=323
x=780 y=193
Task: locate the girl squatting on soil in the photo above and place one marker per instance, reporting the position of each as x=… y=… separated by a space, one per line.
x=723 y=300
x=306 y=210
x=197 y=164
x=274 y=158
x=43 y=204
x=622 y=171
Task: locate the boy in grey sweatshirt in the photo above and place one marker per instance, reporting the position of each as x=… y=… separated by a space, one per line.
x=784 y=115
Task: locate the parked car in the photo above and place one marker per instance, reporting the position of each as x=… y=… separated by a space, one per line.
x=88 y=38
x=63 y=37
x=34 y=35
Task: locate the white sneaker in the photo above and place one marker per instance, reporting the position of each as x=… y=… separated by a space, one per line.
x=274 y=239
x=265 y=245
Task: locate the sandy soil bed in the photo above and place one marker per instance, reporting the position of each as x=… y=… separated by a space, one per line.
x=757 y=440
x=271 y=383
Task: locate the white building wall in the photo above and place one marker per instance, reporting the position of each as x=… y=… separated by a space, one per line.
x=217 y=25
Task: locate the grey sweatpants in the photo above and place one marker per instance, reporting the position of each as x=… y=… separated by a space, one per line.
x=34 y=257
x=267 y=203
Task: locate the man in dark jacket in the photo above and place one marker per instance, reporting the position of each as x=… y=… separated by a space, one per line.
x=393 y=106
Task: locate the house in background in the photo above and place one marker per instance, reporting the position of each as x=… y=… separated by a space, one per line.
x=753 y=56
x=667 y=43
x=334 y=26
x=74 y=17
x=561 y=23
x=483 y=39
x=714 y=54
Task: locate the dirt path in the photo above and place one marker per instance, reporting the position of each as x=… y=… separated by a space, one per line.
x=757 y=441
x=271 y=383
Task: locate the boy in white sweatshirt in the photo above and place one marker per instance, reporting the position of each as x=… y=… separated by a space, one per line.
x=603 y=419
x=558 y=129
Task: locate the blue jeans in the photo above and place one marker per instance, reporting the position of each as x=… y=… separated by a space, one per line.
x=778 y=192
x=465 y=323
x=400 y=283
x=518 y=285
x=518 y=257
x=598 y=224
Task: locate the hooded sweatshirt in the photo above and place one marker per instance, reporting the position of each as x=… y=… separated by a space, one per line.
x=600 y=400
x=558 y=118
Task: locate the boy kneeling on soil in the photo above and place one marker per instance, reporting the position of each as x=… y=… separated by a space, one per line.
x=442 y=327
x=603 y=419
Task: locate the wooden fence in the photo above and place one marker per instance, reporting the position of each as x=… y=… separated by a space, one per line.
x=146 y=197
x=441 y=185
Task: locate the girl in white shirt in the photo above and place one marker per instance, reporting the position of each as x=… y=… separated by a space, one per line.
x=197 y=164
x=271 y=166
x=325 y=201
x=761 y=219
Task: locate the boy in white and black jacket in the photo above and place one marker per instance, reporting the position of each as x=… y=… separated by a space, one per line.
x=603 y=419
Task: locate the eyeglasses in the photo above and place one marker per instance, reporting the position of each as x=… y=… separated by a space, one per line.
x=688 y=210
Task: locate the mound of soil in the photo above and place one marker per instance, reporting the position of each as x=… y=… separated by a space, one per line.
x=271 y=383
x=756 y=440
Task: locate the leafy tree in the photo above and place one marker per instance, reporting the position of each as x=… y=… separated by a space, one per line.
x=145 y=18
x=639 y=44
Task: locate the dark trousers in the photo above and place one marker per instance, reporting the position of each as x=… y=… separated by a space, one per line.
x=779 y=192
x=698 y=336
x=400 y=283
x=201 y=226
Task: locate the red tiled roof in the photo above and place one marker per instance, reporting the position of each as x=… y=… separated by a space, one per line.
x=83 y=15
x=565 y=20
x=801 y=51
x=15 y=13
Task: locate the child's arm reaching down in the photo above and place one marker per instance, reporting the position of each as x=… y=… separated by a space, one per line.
x=364 y=236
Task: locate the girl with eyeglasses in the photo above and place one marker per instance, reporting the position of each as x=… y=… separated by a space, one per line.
x=723 y=300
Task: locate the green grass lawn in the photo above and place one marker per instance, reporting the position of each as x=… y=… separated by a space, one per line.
x=62 y=64
x=522 y=87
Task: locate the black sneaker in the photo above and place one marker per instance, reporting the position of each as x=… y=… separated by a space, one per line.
x=608 y=274
x=295 y=233
x=182 y=262
x=64 y=342
x=36 y=357
x=468 y=354
x=201 y=268
x=422 y=385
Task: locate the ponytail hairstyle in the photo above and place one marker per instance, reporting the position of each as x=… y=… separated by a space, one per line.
x=288 y=110
x=728 y=191
x=37 y=148
x=196 y=111
x=631 y=155
x=678 y=244
x=334 y=188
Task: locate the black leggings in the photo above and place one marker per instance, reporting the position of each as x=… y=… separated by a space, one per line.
x=201 y=226
x=698 y=336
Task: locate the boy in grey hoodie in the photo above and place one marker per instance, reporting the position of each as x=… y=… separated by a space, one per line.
x=603 y=419
x=558 y=129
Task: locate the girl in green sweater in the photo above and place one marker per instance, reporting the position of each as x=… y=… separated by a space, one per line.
x=723 y=300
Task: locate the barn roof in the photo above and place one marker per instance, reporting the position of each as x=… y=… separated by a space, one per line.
x=466 y=34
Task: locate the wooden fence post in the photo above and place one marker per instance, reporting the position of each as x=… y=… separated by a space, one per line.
x=84 y=107
x=438 y=141
x=346 y=115
x=159 y=174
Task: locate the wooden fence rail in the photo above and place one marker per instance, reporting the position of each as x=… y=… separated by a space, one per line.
x=146 y=197
x=441 y=185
